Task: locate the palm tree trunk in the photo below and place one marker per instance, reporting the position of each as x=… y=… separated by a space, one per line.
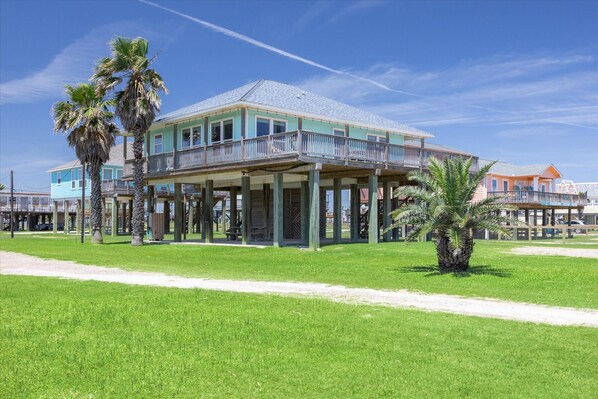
x=453 y=260
x=138 y=209
x=95 y=200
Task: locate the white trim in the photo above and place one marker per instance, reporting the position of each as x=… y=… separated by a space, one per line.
x=336 y=129
x=316 y=117
x=221 y=122
x=378 y=137
x=162 y=143
x=270 y=123
x=191 y=144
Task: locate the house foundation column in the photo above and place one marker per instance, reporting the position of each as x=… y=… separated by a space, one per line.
x=278 y=233
x=569 y=222
x=114 y=217
x=55 y=217
x=355 y=213
x=203 y=213
x=78 y=217
x=314 y=209
x=123 y=222
x=166 y=217
x=209 y=212
x=544 y=222
x=553 y=222
x=373 y=209
x=337 y=233
x=178 y=212
x=387 y=193
x=305 y=213
x=266 y=205
x=233 y=207
x=245 y=209
x=130 y=219
x=394 y=206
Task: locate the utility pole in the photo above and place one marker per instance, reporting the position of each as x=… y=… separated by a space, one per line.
x=12 y=205
x=83 y=204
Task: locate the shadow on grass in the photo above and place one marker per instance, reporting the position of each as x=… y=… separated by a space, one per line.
x=432 y=270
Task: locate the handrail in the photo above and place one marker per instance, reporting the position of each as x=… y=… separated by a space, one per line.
x=539 y=197
x=299 y=143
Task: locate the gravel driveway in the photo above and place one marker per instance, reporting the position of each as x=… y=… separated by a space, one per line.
x=25 y=265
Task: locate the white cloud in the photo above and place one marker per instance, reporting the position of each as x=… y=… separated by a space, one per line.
x=502 y=90
x=71 y=65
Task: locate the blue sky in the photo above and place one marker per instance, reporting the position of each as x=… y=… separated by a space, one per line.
x=515 y=81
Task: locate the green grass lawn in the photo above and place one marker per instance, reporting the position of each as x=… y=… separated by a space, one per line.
x=495 y=272
x=70 y=339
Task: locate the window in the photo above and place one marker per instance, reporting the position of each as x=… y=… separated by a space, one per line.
x=266 y=126
x=158 y=144
x=338 y=132
x=543 y=187
x=59 y=177
x=107 y=174
x=494 y=185
x=74 y=178
x=505 y=185
x=119 y=174
x=375 y=137
x=222 y=131
x=191 y=137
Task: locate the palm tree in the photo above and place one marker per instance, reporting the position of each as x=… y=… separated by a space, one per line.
x=136 y=89
x=444 y=205
x=87 y=119
x=2 y=186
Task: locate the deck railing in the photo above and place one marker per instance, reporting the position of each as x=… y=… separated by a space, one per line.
x=300 y=143
x=540 y=198
x=116 y=187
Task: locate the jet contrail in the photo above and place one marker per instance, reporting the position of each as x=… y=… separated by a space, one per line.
x=247 y=39
x=257 y=43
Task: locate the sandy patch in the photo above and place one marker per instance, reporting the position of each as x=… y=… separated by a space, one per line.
x=572 y=252
x=19 y=264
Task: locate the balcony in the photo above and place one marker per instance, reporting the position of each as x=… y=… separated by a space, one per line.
x=540 y=198
x=299 y=145
x=110 y=187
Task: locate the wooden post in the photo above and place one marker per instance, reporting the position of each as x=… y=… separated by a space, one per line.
x=314 y=208
x=223 y=214
x=78 y=218
x=130 y=217
x=245 y=209
x=66 y=223
x=209 y=211
x=150 y=211
x=553 y=222
x=337 y=211
x=278 y=236
x=266 y=206
x=55 y=217
x=190 y=217
x=166 y=217
x=355 y=213
x=114 y=217
x=373 y=209
x=305 y=213
x=394 y=205
x=544 y=221
x=203 y=213
x=198 y=216
x=569 y=223
x=178 y=212
x=233 y=207
x=124 y=218
x=387 y=192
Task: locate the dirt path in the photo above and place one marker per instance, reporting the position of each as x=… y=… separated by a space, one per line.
x=573 y=252
x=19 y=264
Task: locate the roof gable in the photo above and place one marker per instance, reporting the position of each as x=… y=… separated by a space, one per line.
x=507 y=169
x=116 y=158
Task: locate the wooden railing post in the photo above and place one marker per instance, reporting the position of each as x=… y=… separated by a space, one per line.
x=299 y=142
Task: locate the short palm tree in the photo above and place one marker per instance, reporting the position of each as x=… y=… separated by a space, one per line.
x=87 y=119
x=443 y=204
x=127 y=72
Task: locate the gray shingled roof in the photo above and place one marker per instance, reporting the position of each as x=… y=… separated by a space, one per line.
x=507 y=169
x=590 y=188
x=116 y=158
x=268 y=93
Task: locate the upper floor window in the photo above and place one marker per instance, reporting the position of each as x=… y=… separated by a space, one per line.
x=58 y=177
x=378 y=138
x=107 y=174
x=494 y=185
x=266 y=126
x=191 y=137
x=338 y=132
x=74 y=177
x=119 y=174
x=158 y=147
x=505 y=185
x=222 y=131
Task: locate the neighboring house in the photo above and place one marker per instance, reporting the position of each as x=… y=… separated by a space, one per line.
x=279 y=147
x=31 y=211
x=67 y=183
x=530 y=188
x=590 y=190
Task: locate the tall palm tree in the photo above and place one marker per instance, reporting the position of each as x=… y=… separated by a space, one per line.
x=444 y=205
x=87 y=119
x=127 y=72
